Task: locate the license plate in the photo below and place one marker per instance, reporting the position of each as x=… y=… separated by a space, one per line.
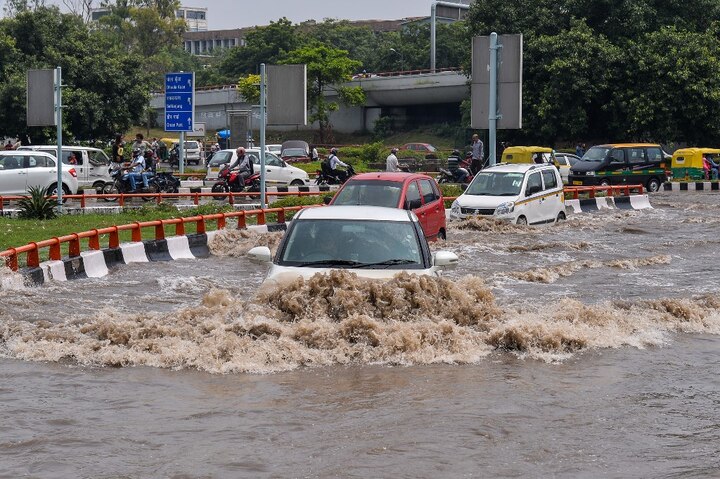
x=579 y=183
x=214 y=170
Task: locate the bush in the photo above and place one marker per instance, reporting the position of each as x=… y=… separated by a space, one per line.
x=37 y=206
x=383 y=128
x=450 y=190
x=298 y=201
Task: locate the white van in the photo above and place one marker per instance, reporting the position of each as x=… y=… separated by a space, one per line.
x=518 y=193
x=91 y=164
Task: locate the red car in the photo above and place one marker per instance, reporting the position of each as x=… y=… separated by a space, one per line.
x=426 y=148
x=409 y=191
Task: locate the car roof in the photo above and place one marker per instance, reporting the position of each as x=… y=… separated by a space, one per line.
x=629 y=145
x=54 y=147
x=25 y=153
x=355 y=212
x=389 y=176
x=515 y=167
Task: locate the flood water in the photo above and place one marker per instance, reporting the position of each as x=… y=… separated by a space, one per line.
x=585 y=349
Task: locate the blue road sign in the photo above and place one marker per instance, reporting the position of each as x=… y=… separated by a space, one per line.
x=179 y=101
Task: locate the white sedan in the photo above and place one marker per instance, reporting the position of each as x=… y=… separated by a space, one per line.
x=374 y=242
x=276 y=170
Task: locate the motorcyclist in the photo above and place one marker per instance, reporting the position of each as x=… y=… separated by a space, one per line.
x=459 y=174
x=136 y=170
x=334 y=162
x=244 y=165
x=391 y=163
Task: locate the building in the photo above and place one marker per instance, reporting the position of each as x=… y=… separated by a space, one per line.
x=204 y=42
x=195 y=17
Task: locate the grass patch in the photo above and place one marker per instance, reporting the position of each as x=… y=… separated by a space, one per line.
x=19 y=232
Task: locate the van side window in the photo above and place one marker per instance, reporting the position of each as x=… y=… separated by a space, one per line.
x=428 y=193
x=550 y=179
x=636 y=156
x=655 y=154
x=98 y=158
x=412 y=197
x=617 y=156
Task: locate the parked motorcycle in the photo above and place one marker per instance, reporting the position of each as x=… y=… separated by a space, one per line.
x=445 y=176
x=122 y=185
x=326 y=176
x=166 y=183
x=228 y=182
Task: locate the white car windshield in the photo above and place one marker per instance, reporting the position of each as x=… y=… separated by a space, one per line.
x=220 y=158
x=343 y=243
x=496 y=183
x=370 y=193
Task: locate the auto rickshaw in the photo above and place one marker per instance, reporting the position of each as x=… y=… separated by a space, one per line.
x=528 y=154
x=687 y=163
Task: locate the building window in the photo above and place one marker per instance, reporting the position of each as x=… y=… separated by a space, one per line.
x=180 y=14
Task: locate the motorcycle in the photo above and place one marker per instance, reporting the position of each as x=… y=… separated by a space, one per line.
x=122 y=185
x=228 y=182
x=166 y=182
x=326 y=176
x=446 y=176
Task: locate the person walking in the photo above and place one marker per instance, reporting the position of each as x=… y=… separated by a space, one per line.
x=478 y=154
x=391 y=163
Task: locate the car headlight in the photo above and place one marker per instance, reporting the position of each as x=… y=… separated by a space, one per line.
x=590 y=173
x=505 y=208
x=455 y=207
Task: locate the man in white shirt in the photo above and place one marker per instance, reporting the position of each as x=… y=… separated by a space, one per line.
x=391 y=163
x=137 y=170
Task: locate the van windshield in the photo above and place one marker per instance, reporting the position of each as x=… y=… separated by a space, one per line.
x=495 y=183
x=596 y=153
x=220 y=158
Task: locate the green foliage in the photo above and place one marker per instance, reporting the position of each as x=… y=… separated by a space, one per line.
x=249 y=87
x=37 y=205
x=383 y=127
x=450 y=190
x=268 y=44
x=327 y=69
x=373 y=152
x=298 y=201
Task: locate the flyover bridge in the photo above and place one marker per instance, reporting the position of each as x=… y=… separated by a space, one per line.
x=395 y=93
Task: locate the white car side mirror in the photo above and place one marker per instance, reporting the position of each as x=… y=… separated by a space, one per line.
x=260 y=254
x=445 y=260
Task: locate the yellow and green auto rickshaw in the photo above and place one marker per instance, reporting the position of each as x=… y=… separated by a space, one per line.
x=687 y=163
x=528 y=154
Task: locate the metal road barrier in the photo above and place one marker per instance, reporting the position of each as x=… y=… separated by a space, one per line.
x=610 y=190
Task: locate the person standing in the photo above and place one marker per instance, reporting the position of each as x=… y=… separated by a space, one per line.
x=391 y=163
x=478 y=154
x=118 y=150
x=314 y=156
x=580 y=149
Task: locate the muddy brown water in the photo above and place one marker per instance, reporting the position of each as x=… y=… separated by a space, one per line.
x=585 y=349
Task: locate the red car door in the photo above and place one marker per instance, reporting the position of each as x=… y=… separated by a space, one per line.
x=432 y=210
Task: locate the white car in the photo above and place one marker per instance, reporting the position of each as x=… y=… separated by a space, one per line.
x=276 y=170
x=565 y=161
x=372 y=241
x=91 y=164
x=19 y=170
x=518 y=193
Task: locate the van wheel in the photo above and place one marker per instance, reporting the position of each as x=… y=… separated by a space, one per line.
x=442 y=235
x=560 y=217
x=653 y=185
x=522 y=221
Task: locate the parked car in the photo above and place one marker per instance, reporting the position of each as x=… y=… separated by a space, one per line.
x=192 y=153
x=622 y=164
x=20 y=170
x=417 y=193
x=91 y=164
x=276 y=170
x=372 y=241
x=521 y=193
x=294 y=151
x=427 y=149
x=274 y=149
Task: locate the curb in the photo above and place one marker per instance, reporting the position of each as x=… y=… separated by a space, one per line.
x=96 y=264
x=707 y=186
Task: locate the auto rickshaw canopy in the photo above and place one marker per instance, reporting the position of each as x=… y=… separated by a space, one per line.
x=524 y=154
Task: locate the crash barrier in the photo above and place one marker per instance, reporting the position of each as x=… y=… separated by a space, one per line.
x=617 y=196
x=610 y=190
x=195 y=196
x=704 y=186
x=93 y=261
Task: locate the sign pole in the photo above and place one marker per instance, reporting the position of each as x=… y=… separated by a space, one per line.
x=180 y=108
x=181 y=152
x=263 y=121
x=58 y=121
x=493 y=100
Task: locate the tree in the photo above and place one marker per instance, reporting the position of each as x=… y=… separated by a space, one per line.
x=327 y=70
x=267 y=45
x=249 y=87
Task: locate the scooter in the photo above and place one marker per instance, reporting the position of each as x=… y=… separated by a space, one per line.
x=228 y=182
x=326 y=176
